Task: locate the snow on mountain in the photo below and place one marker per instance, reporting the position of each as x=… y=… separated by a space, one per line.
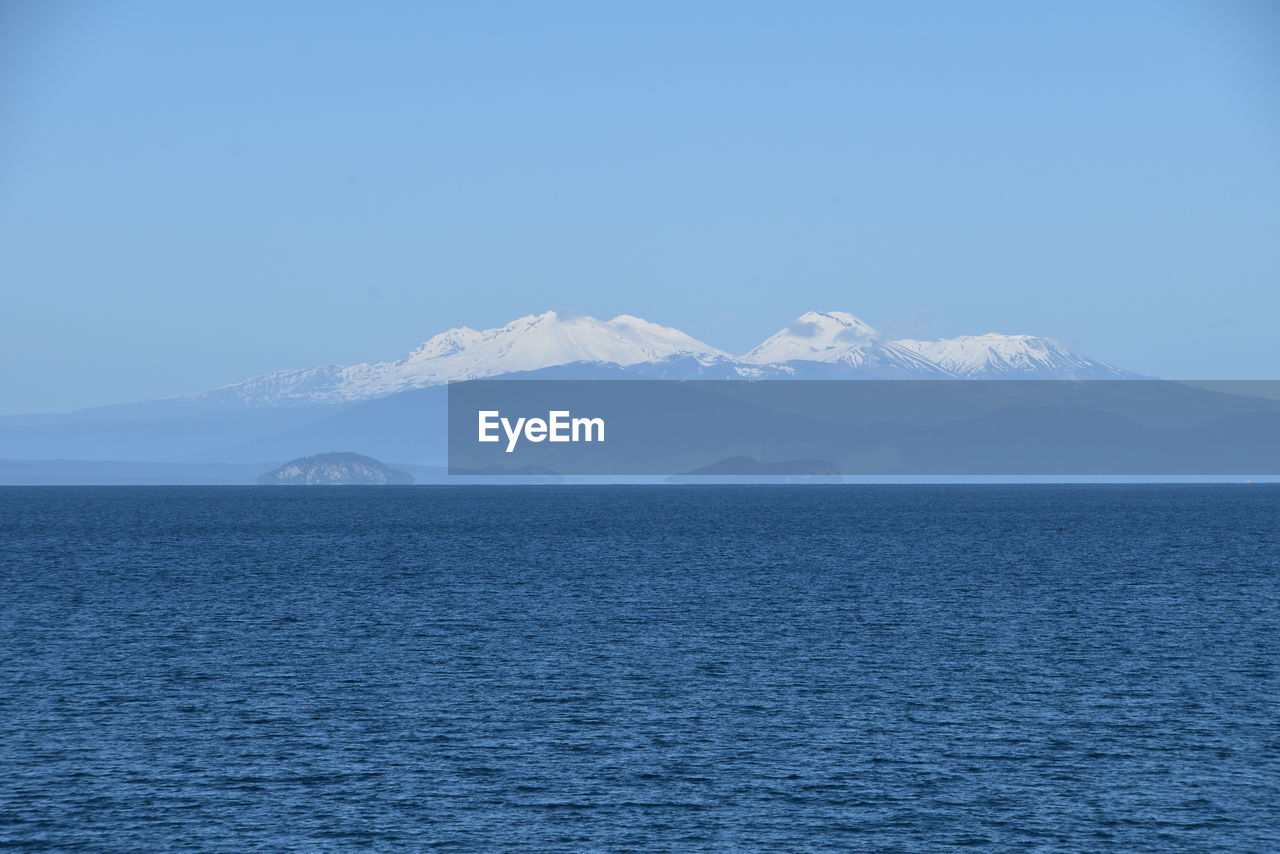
x=817 y=345
x=815 y=336
x=526 y=344
x=310 y=385
x=840 y=338
x=540 y=341
x=996 y=356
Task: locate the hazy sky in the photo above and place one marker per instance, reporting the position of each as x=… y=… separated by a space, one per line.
x=193 y=193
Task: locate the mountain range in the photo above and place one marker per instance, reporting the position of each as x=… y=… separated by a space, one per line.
x=396 y=410
x=817 y=345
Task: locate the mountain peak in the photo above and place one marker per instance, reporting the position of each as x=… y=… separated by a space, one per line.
x=840 y=338
x=449 y=341
x=526 y=344
x=815 y=336
x=841 y=318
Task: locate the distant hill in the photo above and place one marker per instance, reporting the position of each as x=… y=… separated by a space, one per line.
x=333 y=469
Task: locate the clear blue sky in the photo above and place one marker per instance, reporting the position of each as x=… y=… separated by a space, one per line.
x=193 y=193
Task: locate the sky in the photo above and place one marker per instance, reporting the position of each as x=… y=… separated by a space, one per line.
x=195 y=193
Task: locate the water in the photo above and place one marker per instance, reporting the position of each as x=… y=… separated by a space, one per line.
x=1029 y=668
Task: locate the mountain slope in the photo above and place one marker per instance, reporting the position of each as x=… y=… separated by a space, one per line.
x=996 y=356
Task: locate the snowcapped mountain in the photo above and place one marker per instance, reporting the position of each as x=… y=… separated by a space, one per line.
x=826 y=345
x=540 y=341
x=526 y=344
x=842 y=339
x=815 y=336
x=996 y=356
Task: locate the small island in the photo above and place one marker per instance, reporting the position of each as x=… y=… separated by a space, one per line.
x=335 y=469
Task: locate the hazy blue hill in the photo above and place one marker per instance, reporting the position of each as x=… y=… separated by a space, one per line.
x=125 y=473
x=149 y=431
x=957 y=420
x=407 y=427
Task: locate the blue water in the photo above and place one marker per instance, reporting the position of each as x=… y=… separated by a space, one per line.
x=683 y=669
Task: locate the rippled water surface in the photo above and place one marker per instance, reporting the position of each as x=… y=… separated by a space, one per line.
x=684 y=669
